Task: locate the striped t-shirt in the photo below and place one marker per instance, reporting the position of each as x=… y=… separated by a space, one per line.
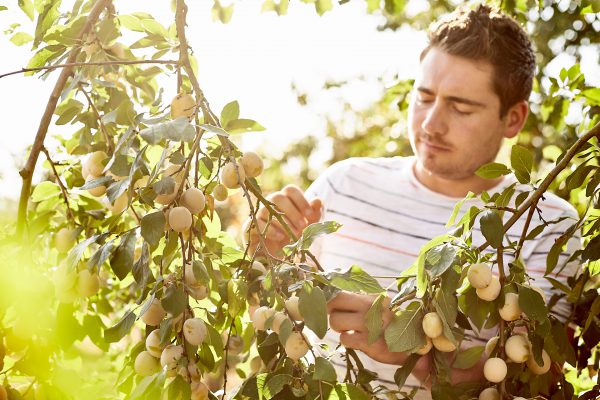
x=387 y=215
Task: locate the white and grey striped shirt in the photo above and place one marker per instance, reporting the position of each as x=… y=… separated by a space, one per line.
x=387 y=215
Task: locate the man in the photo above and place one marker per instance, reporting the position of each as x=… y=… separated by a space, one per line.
x=471 y=93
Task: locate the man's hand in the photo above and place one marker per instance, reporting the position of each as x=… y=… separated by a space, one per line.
x=298 y=214
x=348 y=316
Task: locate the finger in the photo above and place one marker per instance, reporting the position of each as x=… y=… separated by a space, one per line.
x=354 y=340
x=341 y=321
x=274 y=231
x=316 y=206
x=296 y=195
x=346 y=301
x=291 y=213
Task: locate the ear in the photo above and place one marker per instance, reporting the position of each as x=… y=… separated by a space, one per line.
x=515 y=119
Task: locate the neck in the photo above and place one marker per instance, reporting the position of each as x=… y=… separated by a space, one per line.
x=453 y=187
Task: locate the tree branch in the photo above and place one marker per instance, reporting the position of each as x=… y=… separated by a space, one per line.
x=27 y=172
x=85 y=64
x=537 y=195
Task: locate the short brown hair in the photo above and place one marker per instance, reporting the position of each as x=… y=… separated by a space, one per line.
x=486 y=34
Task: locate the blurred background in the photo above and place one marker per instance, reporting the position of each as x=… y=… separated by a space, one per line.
x=328 y=81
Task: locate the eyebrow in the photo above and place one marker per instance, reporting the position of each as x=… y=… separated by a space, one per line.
x=454 y=99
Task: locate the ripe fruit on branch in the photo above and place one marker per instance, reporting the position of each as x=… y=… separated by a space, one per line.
x=510 y=311
x=98 y=190
x=120 y=204
x=295 y=346
x=198 y=292
x=489 y=394
x=517 y=348
x=479 y=275
x=88 y=283
x=154 y=314
x=258 y=266
x=193 y=199
x=260 y=316
x=426 y=348
x=220 y=192
x=443 y=344
x=229 y=175
x=153 y=344
x=93 y=164
x=491 y=291
x=170 y=356
x=145 y=364
x=293 y=309
x=432 y=325
x=256 y=365
x=64 y=239
x=194 y=330
x=539 y=369
x=278 y=319
x=252 y=163
x=183 y=105
x=495 y=369
x=180 y=219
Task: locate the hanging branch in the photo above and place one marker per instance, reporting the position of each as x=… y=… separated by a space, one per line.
x=27 y=171
x=51 y=68
x=109 y=141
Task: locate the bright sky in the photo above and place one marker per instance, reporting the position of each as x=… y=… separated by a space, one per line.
x=254 y=59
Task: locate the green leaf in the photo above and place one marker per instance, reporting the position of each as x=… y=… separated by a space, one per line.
x=153 y=227
x=356 y=280
x=324 y=371
x=44 y=191
x=47 y=17
x=446 y=304
x=174 y=300
x=21 y=38
x=402 y=373
x=313 y=307
x=131 y=22
x=77 y=252
x=214 y=129
x=116 y=189
x=322 y=6
x=347 y=391
x=230 y=112
x=492 y=228
x=243 y=125
x=466 y=359
x=532 y=303
x=141 y=271
x=27 y=7
x=312 y=232
x=102 y=181
x=121 y=261
x=476 y=309
x=275 y=385
x=439 y=259
x=522 y=162
x=405 y=333
x=457 y=208
x=122 y=328
x=68 y=110
x=492 y=170
x=165 y=186
x=374 y=319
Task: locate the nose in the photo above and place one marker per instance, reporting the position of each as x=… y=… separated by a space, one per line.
x=434 y=123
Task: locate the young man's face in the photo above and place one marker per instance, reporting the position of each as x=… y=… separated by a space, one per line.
x=454 y=116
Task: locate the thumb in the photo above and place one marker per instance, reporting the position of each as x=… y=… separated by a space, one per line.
x=316 y=206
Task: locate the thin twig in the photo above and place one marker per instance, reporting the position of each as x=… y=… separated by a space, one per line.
x=525 y=229
x=502 y=323
x=107 y=138
x=60 y=184
x=27 y=172
x=70 y=65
